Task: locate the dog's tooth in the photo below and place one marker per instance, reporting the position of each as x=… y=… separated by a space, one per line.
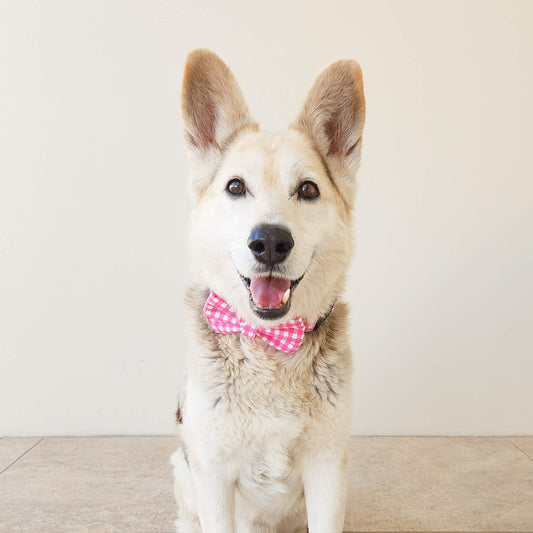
x=286 y=296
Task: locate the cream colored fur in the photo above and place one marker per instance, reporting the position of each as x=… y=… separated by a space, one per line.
x=263 y=434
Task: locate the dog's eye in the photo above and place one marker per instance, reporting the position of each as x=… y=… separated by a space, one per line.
x=236 y=187
x=308 y=191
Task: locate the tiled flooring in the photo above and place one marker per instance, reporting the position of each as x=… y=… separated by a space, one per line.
x=123 y=484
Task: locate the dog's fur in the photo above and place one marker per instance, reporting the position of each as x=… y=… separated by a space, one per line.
x=263 y=434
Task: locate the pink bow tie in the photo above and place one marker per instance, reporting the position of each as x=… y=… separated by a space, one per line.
x=285 y=337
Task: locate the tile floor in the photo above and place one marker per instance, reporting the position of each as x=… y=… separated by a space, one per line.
x=124 y=484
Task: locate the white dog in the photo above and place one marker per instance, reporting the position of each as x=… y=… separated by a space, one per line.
x=265 y=404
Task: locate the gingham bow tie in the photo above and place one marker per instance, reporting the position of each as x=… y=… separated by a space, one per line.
x=284 y=337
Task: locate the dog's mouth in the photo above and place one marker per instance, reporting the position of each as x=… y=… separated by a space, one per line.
x=270 y=297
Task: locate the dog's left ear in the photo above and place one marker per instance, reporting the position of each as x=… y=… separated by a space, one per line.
x=334 y=114
x=214 y=111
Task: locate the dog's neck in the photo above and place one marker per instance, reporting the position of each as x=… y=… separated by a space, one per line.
x=329 y=328
x=311 y=325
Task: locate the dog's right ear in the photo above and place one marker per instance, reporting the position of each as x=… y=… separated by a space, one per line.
x=214 y=112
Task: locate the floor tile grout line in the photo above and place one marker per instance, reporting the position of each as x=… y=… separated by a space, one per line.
x=514 y=444
x=21 y=456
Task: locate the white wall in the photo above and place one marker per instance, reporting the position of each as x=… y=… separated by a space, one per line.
x=93 y=204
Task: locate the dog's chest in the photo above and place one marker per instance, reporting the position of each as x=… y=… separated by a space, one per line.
x=253 y=388
x=260 y=389
x=246 y=399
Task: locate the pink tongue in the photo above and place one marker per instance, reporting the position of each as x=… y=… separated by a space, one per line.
x=268 y=292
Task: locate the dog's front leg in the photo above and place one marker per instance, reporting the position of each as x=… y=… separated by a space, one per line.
x=215 y=494
x=324 y=479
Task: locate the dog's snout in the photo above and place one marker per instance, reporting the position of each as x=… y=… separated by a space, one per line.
x=270 y=244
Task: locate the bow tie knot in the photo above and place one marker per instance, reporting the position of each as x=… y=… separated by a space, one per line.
x=285 y=337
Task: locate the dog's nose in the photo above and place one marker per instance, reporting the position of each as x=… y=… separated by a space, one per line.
x=270 y=244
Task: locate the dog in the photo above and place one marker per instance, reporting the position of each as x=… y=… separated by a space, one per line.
x=265 y=402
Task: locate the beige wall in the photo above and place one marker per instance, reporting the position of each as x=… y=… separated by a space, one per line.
x=93 y=204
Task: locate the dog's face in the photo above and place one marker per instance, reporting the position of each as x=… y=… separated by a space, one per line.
x=271 y=229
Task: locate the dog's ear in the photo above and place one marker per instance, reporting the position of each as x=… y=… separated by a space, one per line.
x=214 y=111
x=334 y=114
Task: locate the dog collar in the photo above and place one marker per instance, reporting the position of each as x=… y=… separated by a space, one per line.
x=285 y=337
x=322 y=319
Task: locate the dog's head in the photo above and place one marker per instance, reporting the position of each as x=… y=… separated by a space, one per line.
x=271 y=229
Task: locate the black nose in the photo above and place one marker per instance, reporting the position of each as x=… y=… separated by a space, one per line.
x=270 y=244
